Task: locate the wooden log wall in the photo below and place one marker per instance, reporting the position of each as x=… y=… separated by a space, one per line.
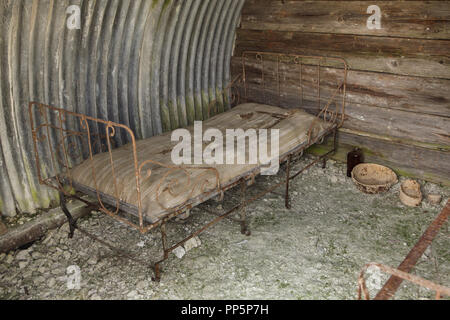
x=398 y=100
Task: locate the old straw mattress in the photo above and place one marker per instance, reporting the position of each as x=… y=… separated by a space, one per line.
x=166 y=188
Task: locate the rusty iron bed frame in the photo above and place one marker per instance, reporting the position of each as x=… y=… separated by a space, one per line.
x=63 y=138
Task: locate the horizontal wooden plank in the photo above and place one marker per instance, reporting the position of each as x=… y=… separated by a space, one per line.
x=404 y=125
x=412 y=19
x=419 y=95
x=398 y=100
x=414 y=57
x=406 y=160
x=367 y=116
x=432 y=131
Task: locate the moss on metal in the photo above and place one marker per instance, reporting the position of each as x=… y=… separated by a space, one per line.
x=190 y=109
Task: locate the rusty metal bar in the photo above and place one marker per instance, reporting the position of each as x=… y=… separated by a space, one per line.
x=218 y=214
x=263 y=78
x=244 y=78
x=344 y=95
x=393 y=284
x=84 y=124
x=318 y=83
x=74 y=226
x=243 y=209
x=164 y=239
x=288 y=179
x=302 y=94
x=193 y=235
x=278 y=81
x=362 y=288
x=313 y=163
x=274 y=187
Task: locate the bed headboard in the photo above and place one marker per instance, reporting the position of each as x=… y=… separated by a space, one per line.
x=316 y=84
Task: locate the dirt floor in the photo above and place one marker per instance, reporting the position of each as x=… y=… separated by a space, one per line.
x=314 y=251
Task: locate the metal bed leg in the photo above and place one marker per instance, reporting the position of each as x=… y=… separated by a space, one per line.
x=157 y=268
x=243 y=210
x=157 y=271
x=335 y=145
x=164 y=240
x=288 y=179
x=72 y=222
x=324 y=164
x=335 y=141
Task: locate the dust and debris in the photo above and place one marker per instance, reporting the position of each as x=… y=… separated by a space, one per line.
x=316 y=250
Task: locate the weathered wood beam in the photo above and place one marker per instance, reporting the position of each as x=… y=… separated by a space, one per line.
x=412 y=94
x=411 y=19
x=429 y=130
x=407 y=160
x=401 y=56
x=34 y=230
x=376 y=103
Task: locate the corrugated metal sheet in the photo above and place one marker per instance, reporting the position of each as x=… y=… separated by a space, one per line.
x=151 y=65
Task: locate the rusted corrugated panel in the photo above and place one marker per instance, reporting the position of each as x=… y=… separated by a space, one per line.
x=151 y=65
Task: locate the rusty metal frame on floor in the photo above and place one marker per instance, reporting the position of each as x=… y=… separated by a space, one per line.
x=403 y=271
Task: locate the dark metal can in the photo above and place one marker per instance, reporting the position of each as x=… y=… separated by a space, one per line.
x=353 y=159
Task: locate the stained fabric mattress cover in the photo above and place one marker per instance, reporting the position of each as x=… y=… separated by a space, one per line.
x=165 y=187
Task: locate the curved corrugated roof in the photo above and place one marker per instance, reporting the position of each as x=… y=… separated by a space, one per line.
x=151 y=65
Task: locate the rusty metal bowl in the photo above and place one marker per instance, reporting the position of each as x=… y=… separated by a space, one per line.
x=373 y=178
